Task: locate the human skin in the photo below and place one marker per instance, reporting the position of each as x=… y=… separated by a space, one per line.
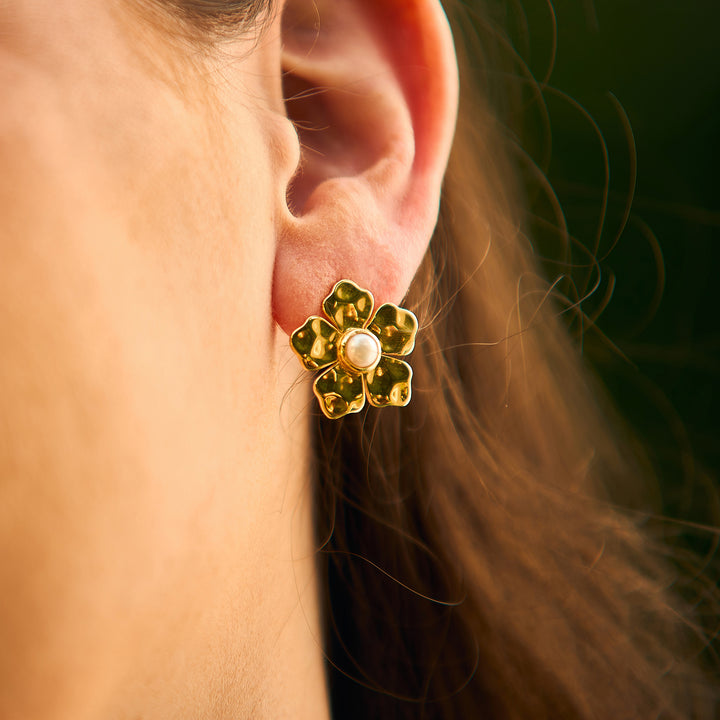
x=155 y=478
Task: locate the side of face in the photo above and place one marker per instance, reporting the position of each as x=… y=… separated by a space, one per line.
x=140 y=376
x=155 y=461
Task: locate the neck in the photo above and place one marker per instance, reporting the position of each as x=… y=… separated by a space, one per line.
x=248 y=643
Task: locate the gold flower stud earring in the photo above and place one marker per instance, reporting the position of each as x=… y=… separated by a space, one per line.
x=358 y=351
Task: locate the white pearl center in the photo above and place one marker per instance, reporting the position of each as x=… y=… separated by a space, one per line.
x=362 y=350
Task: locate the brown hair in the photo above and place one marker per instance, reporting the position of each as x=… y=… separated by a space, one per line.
x=219 y=18
x=472 y=563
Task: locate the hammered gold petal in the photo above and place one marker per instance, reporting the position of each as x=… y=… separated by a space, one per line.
x=339 y=392
x=348 y=306
x=396 y=328
x=315 y=343
x=390 y=383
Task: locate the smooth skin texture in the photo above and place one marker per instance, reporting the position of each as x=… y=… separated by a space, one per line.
x=155 y=478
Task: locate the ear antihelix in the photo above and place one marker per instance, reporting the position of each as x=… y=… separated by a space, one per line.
x=358 y=350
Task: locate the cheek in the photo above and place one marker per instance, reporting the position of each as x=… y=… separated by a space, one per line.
x=136 y=258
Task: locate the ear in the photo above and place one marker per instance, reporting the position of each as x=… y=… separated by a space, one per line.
x=371 y=86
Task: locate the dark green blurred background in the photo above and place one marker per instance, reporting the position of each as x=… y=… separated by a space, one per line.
x=657 y=342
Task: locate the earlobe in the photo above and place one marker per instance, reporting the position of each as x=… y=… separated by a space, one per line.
x=371 y=86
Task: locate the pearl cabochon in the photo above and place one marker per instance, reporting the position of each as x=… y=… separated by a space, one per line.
x=362 y=350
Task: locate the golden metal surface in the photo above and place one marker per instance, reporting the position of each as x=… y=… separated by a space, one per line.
x=395 y=328
x=339 y=392
x=348 y=305
x=342 y=388
x=389 y=383
x=315 y=343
